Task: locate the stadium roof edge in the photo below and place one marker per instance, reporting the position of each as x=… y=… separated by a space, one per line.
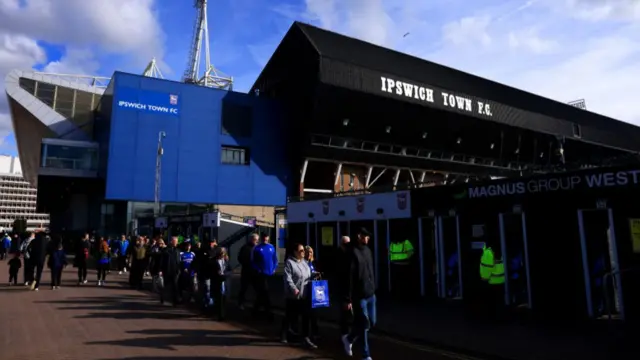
x=357 y=53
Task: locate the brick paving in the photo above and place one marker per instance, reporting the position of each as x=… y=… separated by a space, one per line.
x=113 y=322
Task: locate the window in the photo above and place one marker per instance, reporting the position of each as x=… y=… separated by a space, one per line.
x=64 y=101
x=232 y=155
x=577 y=131
x=46 y=93
x=28 y=85
x=236 y=120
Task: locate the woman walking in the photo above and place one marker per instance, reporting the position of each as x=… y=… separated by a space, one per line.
x=102 y=261
x=315 y=275
x=218 y=278
x=297 y=277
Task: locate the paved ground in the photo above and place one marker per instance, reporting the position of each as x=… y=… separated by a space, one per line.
x=113 y=322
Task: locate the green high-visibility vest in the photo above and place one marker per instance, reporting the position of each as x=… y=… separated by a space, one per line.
x=180 y=239
x=196 y=238
x=399 y=252
x=486 y=263
x=497 y=274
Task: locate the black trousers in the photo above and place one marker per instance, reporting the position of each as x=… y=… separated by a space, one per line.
x=13 y=277
x=171 y=288
x=82 y=271
x=29 y=268
x=39 y=267
x=56 y=276
x=136 y=275
x=102 y=271
x=3 y=253
x=219 y=299
x=296 y=309
x=263 y=300
x=346 y=320
x=122 y=262
x=247 y=279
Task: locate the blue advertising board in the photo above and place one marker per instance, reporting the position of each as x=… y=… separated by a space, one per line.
x=147 y=101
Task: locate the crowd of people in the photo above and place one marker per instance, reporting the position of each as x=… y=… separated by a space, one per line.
x=186 y=272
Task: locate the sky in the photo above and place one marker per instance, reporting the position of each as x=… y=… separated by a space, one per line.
x=561 y=49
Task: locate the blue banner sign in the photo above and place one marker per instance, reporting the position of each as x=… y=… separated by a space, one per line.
x=147 y=101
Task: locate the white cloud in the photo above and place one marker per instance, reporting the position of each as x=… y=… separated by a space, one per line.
x=561 y=49
x=121 y=27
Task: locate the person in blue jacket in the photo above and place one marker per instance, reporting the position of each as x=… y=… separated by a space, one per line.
x=57 y=262
x=123 y=247
x=264 y=260
x=5 y=247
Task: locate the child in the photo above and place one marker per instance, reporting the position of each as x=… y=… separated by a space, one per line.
x=14 y=267
x=57 y=262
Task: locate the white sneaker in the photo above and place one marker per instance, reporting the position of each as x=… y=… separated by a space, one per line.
x=368 y=358
x=36 y=289
x=119 y=272
x=347 y=345
x=84 y=282
x=27 y=283
x=99 y=282
x=125 y=270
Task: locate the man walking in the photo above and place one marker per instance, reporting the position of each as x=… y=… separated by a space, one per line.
x=247 y=274
x=346 y=315
x=25 y=250
x=82 y=250
x=171 y=271
x=360 y=294
x=39 y=251
x=265 y=261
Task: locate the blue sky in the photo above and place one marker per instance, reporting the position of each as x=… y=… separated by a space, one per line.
x=562 y=49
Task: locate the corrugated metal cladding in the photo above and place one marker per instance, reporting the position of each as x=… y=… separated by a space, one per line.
x=192 y=165
x=344 y=56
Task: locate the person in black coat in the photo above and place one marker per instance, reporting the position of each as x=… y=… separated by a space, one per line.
x=170 y=271
x=39 y=251
x=82 y=252
x=247 y=274
x=342 y=261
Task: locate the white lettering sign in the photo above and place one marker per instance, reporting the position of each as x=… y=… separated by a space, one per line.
x=148 y=107
x=425 y=94
x=601 y=180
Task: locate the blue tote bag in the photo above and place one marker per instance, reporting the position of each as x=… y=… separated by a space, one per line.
x=319 y=294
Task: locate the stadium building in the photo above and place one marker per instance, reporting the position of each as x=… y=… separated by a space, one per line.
x=328 y=114
x=18 y=198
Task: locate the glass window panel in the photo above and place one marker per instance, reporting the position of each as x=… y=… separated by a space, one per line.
x=28 y=85
x=84 y=101
x=46 y=93
x=234 y=155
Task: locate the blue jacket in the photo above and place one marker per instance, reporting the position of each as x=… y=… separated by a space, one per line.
x=57 y=259
x=264 y=259
x=124 y=246
x=6 y=242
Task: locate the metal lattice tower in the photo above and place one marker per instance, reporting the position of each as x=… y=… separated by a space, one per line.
x=211 y=77
x=152 y=70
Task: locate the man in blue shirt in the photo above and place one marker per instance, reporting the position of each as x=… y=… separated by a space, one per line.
x=264 y=260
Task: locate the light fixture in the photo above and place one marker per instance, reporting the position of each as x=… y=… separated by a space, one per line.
x=492 y=146
x=387 y=129
x=424 y=135
x=345 y=122
x=458 y=141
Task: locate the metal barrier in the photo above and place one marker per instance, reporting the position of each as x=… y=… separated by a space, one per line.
x=605 y=288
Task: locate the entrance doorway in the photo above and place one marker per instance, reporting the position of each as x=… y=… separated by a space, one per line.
x=515 y=249
x=600 y=264
x=448 y=250
x=427 y=235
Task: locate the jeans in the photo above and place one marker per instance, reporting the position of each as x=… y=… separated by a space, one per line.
x=205 y=291
x=365 y=318
x=102 y=271
x=56 y=276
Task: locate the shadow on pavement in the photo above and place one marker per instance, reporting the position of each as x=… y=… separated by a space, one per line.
x=178 y=338
x=128 y=315
x=211 y=358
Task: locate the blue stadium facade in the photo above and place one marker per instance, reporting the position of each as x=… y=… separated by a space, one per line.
x=220 y=147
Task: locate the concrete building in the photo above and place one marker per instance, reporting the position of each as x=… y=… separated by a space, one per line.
x=18 y=197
